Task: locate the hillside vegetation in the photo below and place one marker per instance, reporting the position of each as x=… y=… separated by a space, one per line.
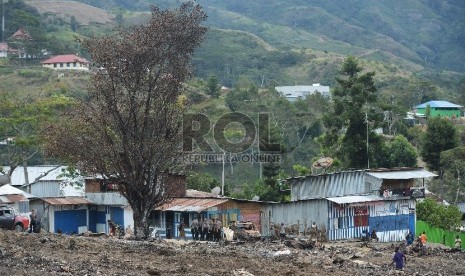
x=85 y=14
x=251 y=47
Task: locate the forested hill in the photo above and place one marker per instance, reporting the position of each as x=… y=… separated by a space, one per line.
x=428 y=32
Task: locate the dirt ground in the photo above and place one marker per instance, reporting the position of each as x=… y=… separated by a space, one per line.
x=51 y=254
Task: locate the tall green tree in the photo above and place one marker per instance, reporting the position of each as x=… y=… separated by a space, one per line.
x=213 y=87
x=402 y=153
x=21 y=122
x=441 y=135
x=129 y=128
x=453 y=164
x=353 y=108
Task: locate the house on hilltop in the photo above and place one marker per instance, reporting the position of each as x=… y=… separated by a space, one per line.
x=66 y=62
x=439 y=109
x=3 y=49
x=346 y=204
x=293 y=93
x=21 y=34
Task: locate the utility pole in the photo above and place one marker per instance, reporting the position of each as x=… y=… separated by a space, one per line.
x=222 y=175
x=3 y=20
x=368 y=152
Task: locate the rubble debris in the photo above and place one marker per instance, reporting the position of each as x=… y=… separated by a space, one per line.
x=50 y=254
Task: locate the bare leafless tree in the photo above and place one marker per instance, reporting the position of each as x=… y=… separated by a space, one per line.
x=129 y=128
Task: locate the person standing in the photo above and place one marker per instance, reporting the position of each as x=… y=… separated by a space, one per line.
x=458 y=243
x=203 y=229
x=423 y=239
x=33 y=221
x=399 y=259
x=195 y=229
x=409 y=238
x=217 y=230
x=182 y=229
x=282 y=232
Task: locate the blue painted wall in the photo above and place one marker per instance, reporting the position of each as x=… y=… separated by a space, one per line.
x=69 y=221
x=117 y=215
x=94 y=218
x=389 y=223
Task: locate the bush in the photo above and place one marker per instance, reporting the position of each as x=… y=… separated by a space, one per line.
x=439 y=215
x=31 y=73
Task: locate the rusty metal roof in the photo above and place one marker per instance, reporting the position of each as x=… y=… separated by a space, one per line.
x=66 y=200
x=190 y=204
x=12 y=198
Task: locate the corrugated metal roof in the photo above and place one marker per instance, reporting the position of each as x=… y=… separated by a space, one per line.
x=190 y=204
x=42 y=173
x=12 y=198
x=200 y=194
x=10 y=190
x=410 y=174
x=354 y=199
x=66 y=200
x=438 y=104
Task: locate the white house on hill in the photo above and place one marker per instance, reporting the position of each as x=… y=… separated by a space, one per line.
x=66 y=62
x=293 y=93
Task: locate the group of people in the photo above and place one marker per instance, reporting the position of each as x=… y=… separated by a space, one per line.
x=399 y=259
x=202 y=229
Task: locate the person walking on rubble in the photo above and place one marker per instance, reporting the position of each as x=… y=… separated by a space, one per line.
x=399 y=259
x=423 y=240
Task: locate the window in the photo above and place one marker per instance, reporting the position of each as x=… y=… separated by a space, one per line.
x=68 y=64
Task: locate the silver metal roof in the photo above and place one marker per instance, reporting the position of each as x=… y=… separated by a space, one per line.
x=354 y=199
x=407 y=174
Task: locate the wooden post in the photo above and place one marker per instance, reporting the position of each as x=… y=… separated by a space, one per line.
x=305 y=227
x=298 y=227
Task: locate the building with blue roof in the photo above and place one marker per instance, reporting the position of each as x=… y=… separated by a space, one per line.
x=439 y=109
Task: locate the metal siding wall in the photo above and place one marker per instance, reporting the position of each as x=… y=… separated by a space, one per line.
x=390 y=219
x=94 y=218
x=69 y=221
x=329 y=185
x=46 y=189
x=292 y=212
x=349 y=231
x=117 y=215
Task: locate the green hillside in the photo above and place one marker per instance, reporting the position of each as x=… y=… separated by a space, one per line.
x=253 y=46
x=422 y=31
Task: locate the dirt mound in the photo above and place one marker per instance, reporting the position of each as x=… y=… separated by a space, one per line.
x=50 y=254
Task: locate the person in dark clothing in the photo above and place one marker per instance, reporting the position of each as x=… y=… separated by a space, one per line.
x=399 y=259
x=34 y=222
x=409 y=239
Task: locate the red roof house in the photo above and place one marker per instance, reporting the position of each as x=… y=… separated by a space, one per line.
x=66 y=62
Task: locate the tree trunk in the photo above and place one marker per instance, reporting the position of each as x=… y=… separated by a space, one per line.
x=141 y=221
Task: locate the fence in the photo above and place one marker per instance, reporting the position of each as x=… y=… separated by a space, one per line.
x=438 y=235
